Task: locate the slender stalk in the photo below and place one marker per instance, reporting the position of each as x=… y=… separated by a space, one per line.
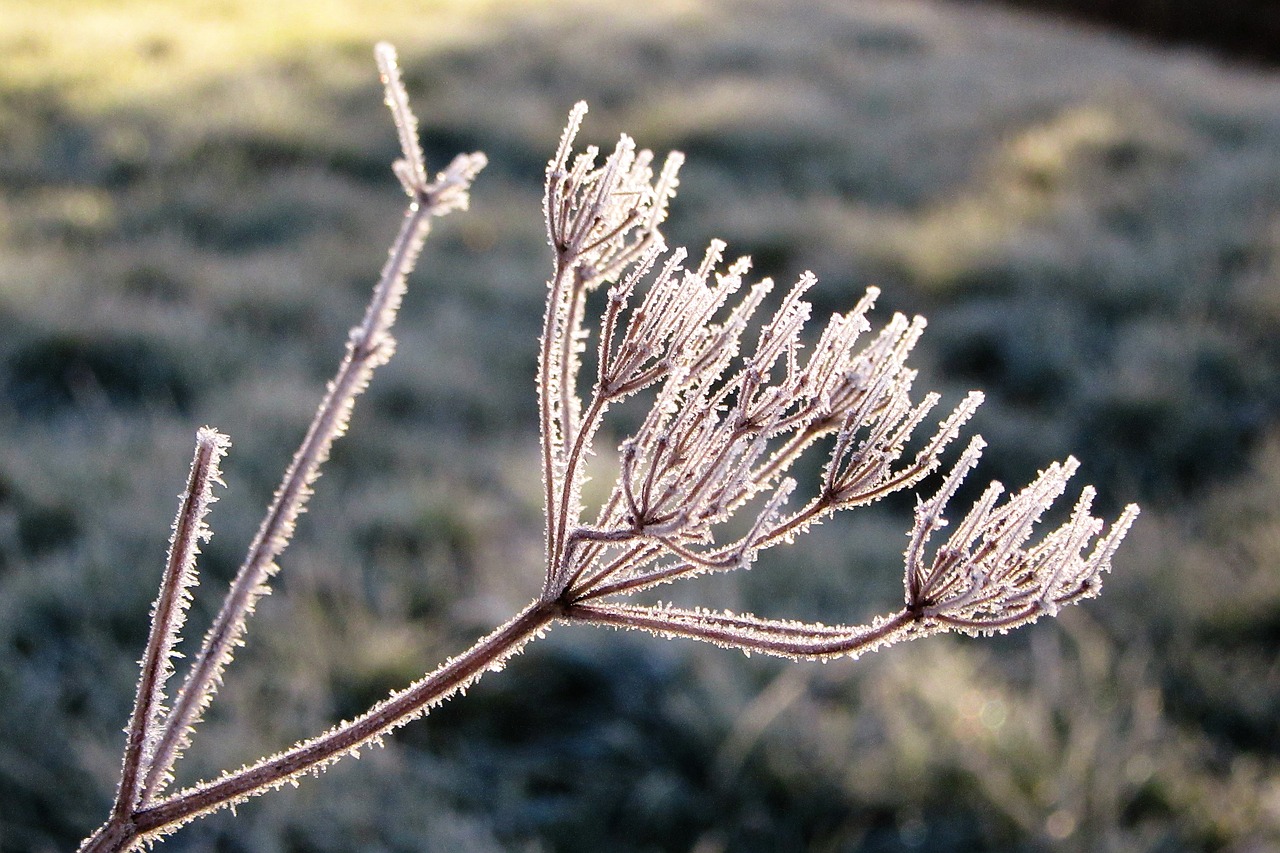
x=487 y=654
x=168 y=614
x=369 y=346
x=567 y=360
x=792 y=641
x=552 y=437
x=560 y=547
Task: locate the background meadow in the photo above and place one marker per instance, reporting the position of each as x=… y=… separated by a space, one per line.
x=195 y=199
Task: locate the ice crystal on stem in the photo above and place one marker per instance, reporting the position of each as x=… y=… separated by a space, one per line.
x=731 y=412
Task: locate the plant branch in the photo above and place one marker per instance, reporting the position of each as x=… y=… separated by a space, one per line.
x=370 y=345
x=168 y=615
x=768 y=636
x=490 y=653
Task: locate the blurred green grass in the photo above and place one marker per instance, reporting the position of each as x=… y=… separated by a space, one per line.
x=195 y=197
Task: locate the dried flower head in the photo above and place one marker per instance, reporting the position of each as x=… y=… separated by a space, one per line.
x=728 y=422
x=731 y=412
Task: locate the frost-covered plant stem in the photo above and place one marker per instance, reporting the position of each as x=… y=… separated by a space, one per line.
x=154 y=744
x=727 y=423
x=489 y=653
x=167 y=616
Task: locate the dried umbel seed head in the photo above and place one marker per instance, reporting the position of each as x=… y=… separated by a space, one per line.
x=728 y=420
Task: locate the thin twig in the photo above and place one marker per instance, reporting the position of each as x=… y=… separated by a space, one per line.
x=400 y=708
x=168 y=615
x=369 y=346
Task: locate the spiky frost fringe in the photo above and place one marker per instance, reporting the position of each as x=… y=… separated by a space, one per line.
x=169 y=613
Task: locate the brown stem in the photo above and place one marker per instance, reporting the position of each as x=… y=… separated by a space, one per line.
x=121 y=834
x=552 y=443
x=782 y=643
x=118 y=834
x=364 y=351
x=559 y=545
x=168 y=614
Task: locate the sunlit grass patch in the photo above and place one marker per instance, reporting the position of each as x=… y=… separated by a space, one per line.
x=125 y=53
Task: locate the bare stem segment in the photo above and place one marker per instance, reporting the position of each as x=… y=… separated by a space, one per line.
x=370 y=345
x=726 y=425
x=168 y=614
x=155 y=741
x=489 y=653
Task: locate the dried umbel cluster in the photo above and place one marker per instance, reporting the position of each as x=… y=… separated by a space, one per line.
x=729 y=420
x=732 y=410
